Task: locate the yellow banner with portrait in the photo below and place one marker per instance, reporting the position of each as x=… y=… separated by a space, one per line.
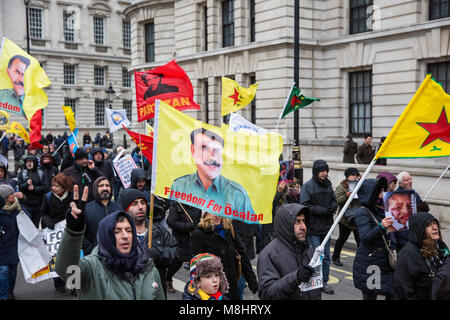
x=222 y=172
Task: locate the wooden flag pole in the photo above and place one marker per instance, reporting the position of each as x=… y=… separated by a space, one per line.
x=150 y=220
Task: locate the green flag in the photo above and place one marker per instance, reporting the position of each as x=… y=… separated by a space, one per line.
x=296 y=101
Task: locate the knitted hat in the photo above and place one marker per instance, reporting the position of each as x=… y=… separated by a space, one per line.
x=351 y=172
x=206 y=263
x=127 y=196
x=5 y=191
x=81 y=154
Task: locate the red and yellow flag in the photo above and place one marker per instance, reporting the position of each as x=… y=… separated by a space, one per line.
x=423 y=129
x=235 y=97
x=144 y=142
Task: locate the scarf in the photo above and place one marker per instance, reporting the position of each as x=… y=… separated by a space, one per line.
x=12 y=206
x=120 y=264
x=220 y=230
x=204 y=296
x=62 y=197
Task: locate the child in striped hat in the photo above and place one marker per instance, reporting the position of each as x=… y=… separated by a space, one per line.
x=207 y=279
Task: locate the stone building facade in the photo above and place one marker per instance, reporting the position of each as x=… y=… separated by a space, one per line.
x=363 y=59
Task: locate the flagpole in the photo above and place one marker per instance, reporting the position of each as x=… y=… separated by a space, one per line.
x=285 y=104
x=434 y=185
x=349 y=200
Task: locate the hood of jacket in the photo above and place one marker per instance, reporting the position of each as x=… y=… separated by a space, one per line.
x=370 y=190
x=389 y=176
x=417 y=224
x=284 y=223
x=95 y=188
x=35 y=161
x=47 y=155
x=136 y=175
x=319 y=166
x=94 y=151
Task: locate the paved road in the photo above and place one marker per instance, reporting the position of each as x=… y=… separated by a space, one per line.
x=340 y=280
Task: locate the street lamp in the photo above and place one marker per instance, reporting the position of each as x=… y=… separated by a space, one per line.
x=110 y=92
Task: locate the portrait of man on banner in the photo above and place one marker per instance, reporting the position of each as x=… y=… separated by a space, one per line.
x=12 y=97
x=207 y=182
x=400 y=205
x=155 y=87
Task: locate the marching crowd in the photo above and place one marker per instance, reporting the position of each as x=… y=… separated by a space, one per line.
x=112 y=227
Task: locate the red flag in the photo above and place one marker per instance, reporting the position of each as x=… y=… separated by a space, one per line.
x=144 y=142
x=168 y=83
x=35 y=130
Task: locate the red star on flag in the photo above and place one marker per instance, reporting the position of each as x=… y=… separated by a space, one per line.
x=235 y=97
x=437 y=130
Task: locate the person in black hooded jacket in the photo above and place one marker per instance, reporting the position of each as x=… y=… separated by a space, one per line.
x=420 y=259
x=48 y=167
x=105 y=166
x=318 y=195
x=284 y=263
x=96 y=210
x=33 y=185
x=372 y=255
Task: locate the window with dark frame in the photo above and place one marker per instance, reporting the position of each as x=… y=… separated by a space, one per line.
x=99 y=76
x=149 y=30
x=359 y=16
x=206 y=100
x=228 y=23
x=205 y=27
x=127 y=105
x=439 y=9
x=99 y=112
x=69 y=74
x=35 y=18
x=126 y=34
x=253 y=103
x=126 y=78
x=360 y=106
x=73 y=104
x=99 y=30
x=441 y=73
x=68 y=28
x=252 y=21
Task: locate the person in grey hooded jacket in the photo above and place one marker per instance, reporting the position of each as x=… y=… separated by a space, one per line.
x=283 y=264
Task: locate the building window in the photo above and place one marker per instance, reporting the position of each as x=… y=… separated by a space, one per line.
x=69 y=30
x=252 y=21
x=206 y=99
x=441 y=73
x=99 y=30
x=99 y=112
x=126 y=34
x=359 y=16
x=127 y=105
x=99 y=76
x=126 y=78
x=360 y=103
x=72 y=103
x=149 y=42
x=205 y=27
x=35 y=18
x=69 y=74
x=228 y=23
x=253 y=103
x=439 y=9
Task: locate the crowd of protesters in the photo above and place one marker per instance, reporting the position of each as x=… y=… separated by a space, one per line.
x=120 y=260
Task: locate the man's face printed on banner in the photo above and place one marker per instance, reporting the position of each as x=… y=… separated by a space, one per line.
x=207 y=154
x=15 y=73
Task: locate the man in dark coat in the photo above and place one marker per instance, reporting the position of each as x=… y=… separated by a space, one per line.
x=96 y=210
x=350 y=149
x=182 y=219
x=284 y=263
x=84 y=172
x=365 y=152
x=416 y=266
x=372 y=253
x=33 y=185
x=318 y=195
x=105 y=166
x=47 y=166
x=19 y=148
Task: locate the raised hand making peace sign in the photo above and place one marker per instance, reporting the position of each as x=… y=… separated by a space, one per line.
x=75 y=218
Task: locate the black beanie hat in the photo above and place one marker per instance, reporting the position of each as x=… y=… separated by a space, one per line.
x=127 y=196
x=351 y=172
x=80 y=154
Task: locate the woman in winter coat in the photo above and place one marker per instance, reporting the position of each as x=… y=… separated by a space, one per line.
x=216 y=235
x=182 y=219
x=371 y=258
x=420 y=259
x=54 y=208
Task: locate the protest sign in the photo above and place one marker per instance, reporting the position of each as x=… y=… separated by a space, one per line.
x=400 y=205
x=123 y=167
x=287 y=171
x=226 y=173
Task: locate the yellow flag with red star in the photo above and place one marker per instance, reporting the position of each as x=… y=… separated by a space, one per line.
x=422 y=130
x=235 y=97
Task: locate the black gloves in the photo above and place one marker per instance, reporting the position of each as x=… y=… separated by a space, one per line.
x=304 y=273
x=253 y=286
x=154 y=254
x=77 y=208
x=73 y=224
x=51 y=225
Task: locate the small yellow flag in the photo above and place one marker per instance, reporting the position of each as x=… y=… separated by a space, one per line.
x=149 y=129
x=235 y=97
x=70 y=117
x=18 y=129
x=422 y=130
